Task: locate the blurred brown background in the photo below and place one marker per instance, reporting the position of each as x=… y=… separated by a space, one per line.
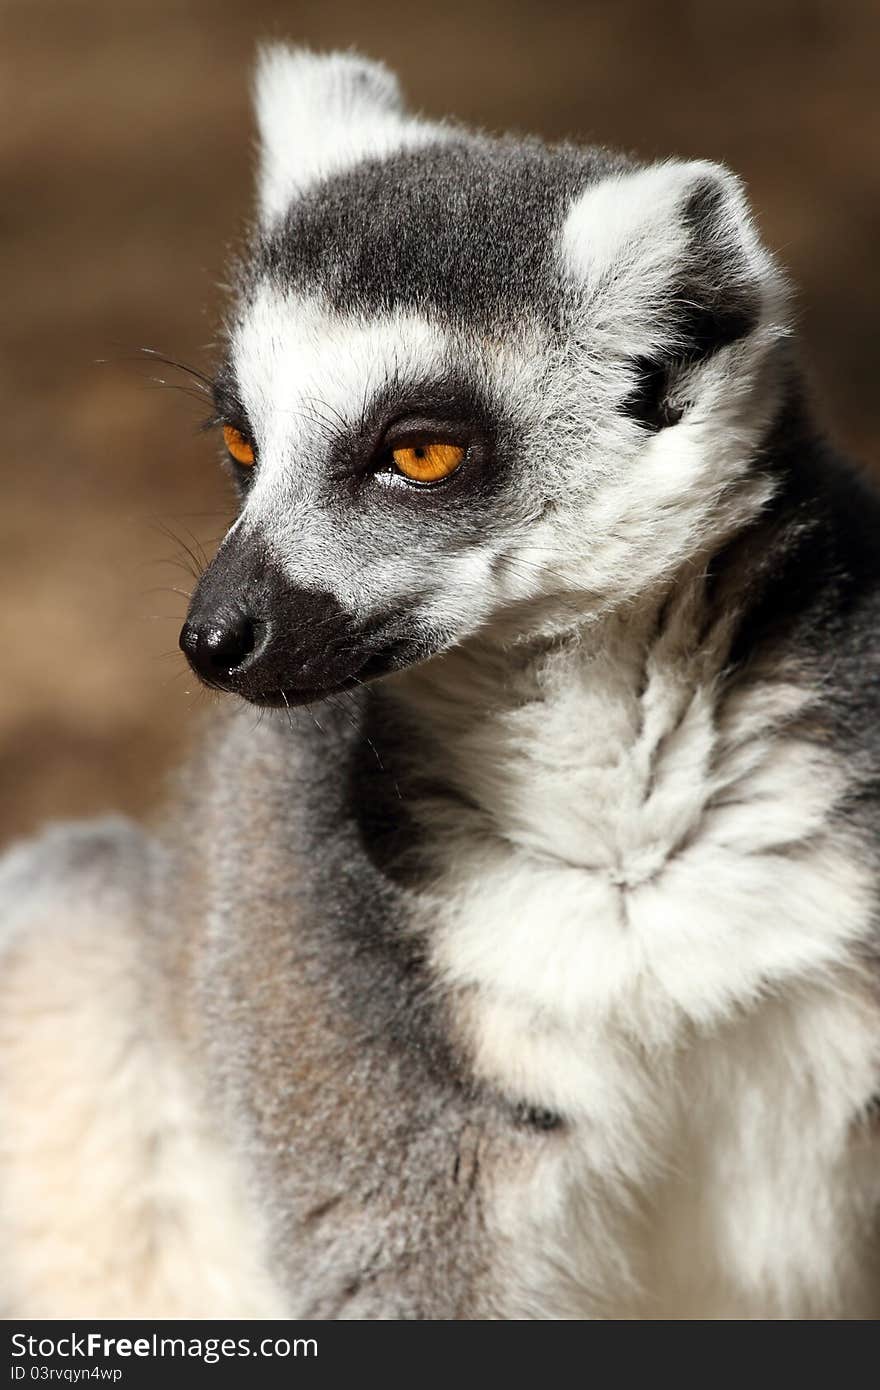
x=125 y=158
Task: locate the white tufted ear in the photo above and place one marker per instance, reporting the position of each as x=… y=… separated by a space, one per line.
x=669 y=253
x=318 y=114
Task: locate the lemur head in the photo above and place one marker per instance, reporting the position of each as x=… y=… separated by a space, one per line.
x=471 y=385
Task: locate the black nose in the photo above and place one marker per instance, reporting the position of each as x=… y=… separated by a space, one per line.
x=219 y=645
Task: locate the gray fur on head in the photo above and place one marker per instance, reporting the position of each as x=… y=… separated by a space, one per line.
x=608 y=333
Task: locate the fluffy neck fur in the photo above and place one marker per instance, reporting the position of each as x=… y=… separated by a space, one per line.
x=493 y=716
x=621 y=796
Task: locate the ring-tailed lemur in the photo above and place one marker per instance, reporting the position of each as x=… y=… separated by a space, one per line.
x=522 y=960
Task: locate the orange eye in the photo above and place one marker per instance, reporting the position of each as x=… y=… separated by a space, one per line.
x=428 y=463
x=239 y=447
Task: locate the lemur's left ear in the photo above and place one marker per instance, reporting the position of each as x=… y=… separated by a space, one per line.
x=670 y=263
x=319 y=113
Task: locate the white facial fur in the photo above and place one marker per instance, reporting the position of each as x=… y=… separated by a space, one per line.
x=302 y=371
x=603 y=507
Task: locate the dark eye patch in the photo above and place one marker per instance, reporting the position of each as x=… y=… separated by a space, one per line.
x=229 y=409
x=447 y=407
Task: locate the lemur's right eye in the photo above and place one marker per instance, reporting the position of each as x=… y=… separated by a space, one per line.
x=239 y=446
x=427 y=463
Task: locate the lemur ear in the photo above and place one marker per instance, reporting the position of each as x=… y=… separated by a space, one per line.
x=670 y=264
x=318 y=114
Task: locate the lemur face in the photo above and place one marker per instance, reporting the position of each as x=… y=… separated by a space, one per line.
x=468 y=382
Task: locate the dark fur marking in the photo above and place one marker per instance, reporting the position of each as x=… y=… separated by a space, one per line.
x=649 y=400
x=537 y=1117
x=464 y=229
x=317 y=1214
x=711 y=302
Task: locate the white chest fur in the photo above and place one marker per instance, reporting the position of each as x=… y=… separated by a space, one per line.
x=651 y=913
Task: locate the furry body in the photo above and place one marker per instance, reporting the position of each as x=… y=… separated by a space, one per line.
x=537 y=978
